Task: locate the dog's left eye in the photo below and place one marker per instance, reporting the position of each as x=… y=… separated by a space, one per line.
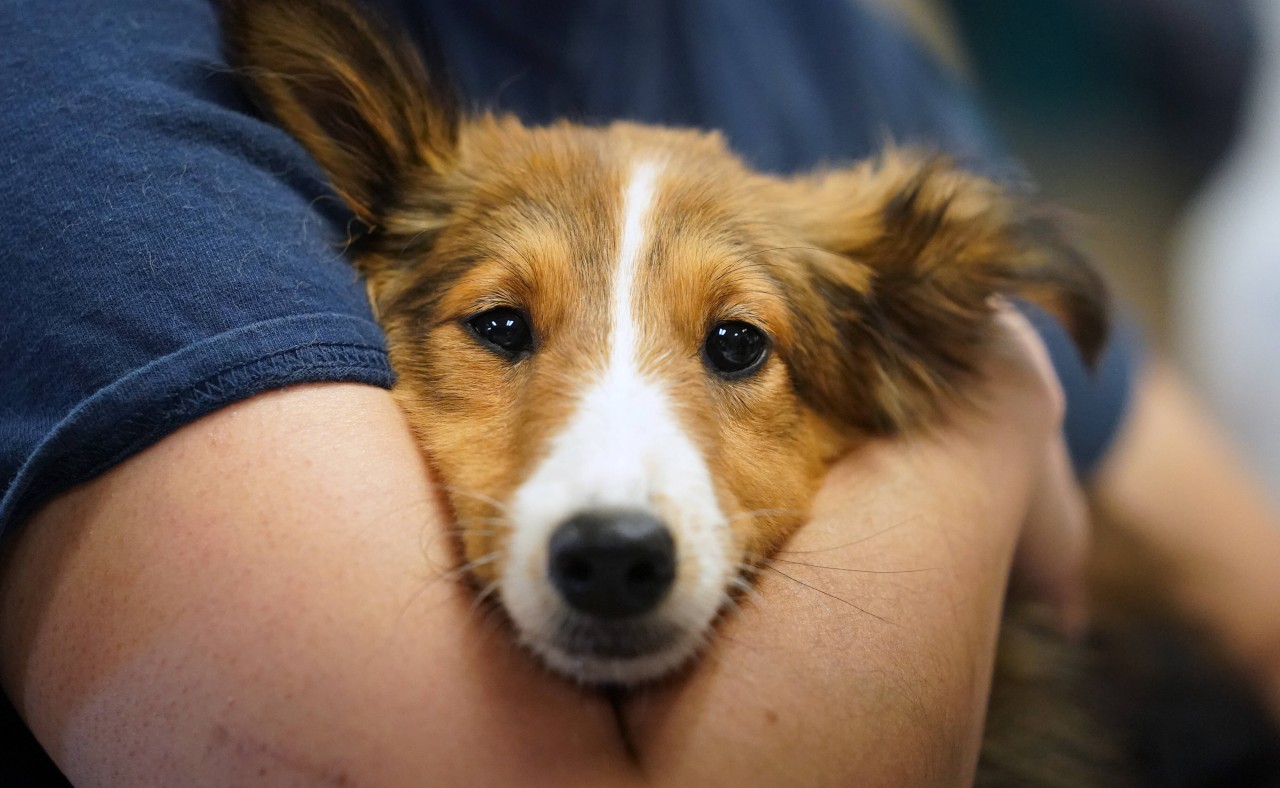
x=735 y=349
x=504 y=329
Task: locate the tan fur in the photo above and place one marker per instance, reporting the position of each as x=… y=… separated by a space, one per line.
x=873 y=282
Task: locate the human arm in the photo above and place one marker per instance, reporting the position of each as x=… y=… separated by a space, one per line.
x=258 y=599
x=264 y=590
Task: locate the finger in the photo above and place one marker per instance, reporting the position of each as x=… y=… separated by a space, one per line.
x=1049 y=564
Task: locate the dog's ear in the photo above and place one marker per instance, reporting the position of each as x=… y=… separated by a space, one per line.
x=896 y=289
x=356 y=95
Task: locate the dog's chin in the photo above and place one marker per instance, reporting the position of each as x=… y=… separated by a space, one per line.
x=626 y=654
x=595 y=651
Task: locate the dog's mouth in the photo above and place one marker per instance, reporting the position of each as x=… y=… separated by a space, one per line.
x=585 y=638
x=591 y=651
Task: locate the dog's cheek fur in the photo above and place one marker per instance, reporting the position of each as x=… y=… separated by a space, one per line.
x=767 y=453
x=460 y=404
x=486 y=421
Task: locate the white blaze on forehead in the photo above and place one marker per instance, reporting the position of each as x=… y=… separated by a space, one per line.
x=623 y=448
x=637 y=206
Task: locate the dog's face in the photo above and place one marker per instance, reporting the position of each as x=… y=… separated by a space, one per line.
x=629 y=357
x=604 y=384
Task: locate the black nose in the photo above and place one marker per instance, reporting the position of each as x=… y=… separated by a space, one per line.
x=612 y=564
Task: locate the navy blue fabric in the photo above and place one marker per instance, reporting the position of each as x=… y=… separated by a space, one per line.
x=166 y=252
x=792 y=85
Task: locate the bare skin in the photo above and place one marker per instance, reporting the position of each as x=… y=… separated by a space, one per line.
x=256 y=600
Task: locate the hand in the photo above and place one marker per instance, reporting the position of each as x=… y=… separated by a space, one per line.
x=1049 y=562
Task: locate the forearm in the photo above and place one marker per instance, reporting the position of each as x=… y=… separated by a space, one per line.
x=264 y=598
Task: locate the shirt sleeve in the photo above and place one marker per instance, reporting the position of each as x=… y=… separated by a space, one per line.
x=167 y=252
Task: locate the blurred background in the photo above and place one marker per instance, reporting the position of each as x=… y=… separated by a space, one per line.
x=1157 y=122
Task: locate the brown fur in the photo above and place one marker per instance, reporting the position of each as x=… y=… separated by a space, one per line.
x=894 y=306
x=874 y=283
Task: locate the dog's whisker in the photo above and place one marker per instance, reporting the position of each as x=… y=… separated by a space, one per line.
x=410 y=506
x=453 y=489
x=828 y=594
x=488 y=621
x=439 y=574
x=460 y=571
x=767 y=513
x=483 y=596
x=744 y=587
x=851 y=568
x=467 y=531
x=857 y=541
x=452 y=536
x=505 y=523
x=481 y=561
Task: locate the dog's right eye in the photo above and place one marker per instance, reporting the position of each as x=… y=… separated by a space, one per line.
x=505 y=330
x=735 y=349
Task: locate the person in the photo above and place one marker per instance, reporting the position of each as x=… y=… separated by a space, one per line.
x=224 y=558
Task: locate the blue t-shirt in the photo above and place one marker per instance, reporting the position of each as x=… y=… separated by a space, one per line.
x=168 y=252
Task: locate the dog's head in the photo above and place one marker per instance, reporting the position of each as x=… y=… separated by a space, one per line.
x=629 y=357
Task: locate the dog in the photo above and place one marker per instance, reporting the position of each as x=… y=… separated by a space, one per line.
x=643 y=355
x=633 y=359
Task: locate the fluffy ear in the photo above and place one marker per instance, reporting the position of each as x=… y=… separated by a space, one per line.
x=355 y=95
x=896 y=293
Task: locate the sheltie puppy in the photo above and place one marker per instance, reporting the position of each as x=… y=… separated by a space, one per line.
x=630 y=354
x=636 y=354
x=633 y=359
